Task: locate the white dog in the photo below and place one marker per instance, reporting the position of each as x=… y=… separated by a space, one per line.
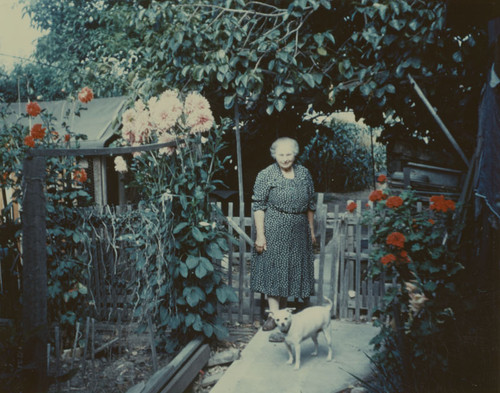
x=307 y=323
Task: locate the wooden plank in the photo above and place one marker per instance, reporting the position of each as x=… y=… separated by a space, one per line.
x=242 y=250
x=230 y=258
x=34 y=312
x=321 y=270
x=343 y=291
x=358 y=268
x=162 y=377
x=183 y=378
x=252 y=302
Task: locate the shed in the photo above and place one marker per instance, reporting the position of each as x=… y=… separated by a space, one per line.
x=99 y=120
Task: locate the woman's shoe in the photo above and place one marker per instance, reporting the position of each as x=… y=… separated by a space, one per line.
x=269 y=324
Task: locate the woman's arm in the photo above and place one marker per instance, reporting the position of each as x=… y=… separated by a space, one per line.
x=260 y=236
x=310 y=219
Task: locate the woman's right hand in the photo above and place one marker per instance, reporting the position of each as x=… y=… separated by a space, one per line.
x=260 y=244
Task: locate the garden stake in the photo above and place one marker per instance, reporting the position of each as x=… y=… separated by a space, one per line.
x=57 y=353
x=152 y=343
x=84 y=357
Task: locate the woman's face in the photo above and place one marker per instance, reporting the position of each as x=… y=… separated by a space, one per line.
x=284 y=155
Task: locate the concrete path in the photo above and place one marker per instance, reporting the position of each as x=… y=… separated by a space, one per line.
x=262 y=366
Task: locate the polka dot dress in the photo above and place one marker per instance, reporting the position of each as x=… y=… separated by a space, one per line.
x=286 y=268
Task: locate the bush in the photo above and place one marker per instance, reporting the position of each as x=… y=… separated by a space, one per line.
x=341 y=159
x=413 y=249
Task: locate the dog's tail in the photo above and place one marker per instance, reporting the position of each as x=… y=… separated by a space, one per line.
x=329 y=302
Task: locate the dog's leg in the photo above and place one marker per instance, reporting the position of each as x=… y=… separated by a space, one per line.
x=297 y=356
x=314 y=337
x=328 y=337
x=290 y=353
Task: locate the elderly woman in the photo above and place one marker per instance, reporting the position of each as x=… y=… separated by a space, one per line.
x=284 y=205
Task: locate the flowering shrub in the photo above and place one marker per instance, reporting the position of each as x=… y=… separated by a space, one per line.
x=179 y=286
x=410 y=248
x=66 y=187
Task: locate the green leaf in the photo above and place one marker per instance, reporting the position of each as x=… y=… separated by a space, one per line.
x=200 y=271
x=179 y=227
x=197 y=234
x=192 y=261
x=308 y=78
x=229 y=101
x=208 y=330
x=190 y=318
x=430 y=286
x=183 y=269
x=213 y=250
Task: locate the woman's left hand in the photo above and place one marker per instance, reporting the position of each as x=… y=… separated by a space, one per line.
x=313 y=238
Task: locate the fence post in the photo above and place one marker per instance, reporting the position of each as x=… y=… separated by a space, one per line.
x=34 y=314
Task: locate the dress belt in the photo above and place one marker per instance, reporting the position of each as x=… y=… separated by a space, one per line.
x=284 y=211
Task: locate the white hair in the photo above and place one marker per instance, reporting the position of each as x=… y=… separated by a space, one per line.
x=291 y=141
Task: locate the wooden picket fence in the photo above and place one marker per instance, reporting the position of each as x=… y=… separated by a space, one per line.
x=341 y=265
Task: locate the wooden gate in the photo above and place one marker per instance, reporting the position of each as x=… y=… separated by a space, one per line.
x=341 y=265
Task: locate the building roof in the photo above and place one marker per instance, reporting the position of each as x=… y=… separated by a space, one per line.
x=98 y=120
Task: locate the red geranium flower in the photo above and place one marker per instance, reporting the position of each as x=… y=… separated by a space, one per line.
x=394 y=202
x=404 y=256
x=67 y=137
x=382 y=178
x=80 y=175
x=440 y=204
x=33 y=109
x=396 y=239
x=386 y=259
x=431 y=221
x=351 y=207
x=29 y=141
x=377 y=195
x=85 y=95
x=37 y=131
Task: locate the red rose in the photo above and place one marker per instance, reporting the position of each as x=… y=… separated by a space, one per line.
x=80 y=175
x=394 y=202
x=351 y=207
x=386 y=259
x=382 y=179
x=396 y=239
x=37 y=131
x=85 y=95
x=33 y=109
x=29 y=141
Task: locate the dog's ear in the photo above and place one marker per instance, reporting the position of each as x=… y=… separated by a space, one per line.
x=290 y=309
x=270 y=313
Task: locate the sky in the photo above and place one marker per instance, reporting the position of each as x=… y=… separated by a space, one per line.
x=16 y=35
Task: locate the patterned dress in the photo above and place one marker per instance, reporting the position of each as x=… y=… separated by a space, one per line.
x=286 y=268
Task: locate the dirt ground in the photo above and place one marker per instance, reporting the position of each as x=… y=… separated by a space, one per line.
x=130 y=362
